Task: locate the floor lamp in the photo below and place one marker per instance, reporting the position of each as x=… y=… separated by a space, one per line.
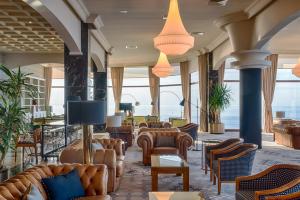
x=86 y=113
x=196 y=106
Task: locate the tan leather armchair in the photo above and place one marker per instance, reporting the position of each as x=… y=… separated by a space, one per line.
x=111 y=156
x=93 y=178
x=124 y=132
x=148 y=140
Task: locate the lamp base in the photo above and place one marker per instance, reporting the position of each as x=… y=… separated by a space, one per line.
x=87 y=144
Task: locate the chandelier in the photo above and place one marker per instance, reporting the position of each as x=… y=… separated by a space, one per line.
x=296 y=70
x=174 y=39
x=163 y=67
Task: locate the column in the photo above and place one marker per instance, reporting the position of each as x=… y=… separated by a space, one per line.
x=250 y=63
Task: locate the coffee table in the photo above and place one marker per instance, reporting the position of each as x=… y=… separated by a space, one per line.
x=176 y=196
x=169 y=164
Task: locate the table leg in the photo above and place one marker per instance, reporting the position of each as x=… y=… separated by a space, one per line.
x=154 y=176
x=186 y=179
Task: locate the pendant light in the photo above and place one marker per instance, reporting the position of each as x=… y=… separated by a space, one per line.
x=163 y=67
x=174 y=39
x=296 y=69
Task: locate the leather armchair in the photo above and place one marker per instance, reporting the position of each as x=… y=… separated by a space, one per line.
x=155 y=125
x=287 y=133
x=124 y=133
x=146 y=129
x=111 y=156
x=147 y=141
x=277 y=182
x=231 y=163
x=93 y=179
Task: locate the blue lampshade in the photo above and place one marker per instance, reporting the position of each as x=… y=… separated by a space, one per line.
x=73 y=98
x=86 y=112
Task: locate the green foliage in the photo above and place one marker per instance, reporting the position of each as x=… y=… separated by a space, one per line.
x=219 y=100
x=13 y=122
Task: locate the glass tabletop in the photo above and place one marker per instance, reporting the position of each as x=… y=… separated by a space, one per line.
x=176 y=196
x=167 y=161
x=211 y=141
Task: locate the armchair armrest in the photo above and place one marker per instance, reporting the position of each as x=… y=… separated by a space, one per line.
x=288 y=191
x=115 y=144
x=145 y=139
x=183 y=142
x=105 y=156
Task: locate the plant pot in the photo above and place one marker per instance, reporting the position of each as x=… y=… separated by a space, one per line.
x=216 y=128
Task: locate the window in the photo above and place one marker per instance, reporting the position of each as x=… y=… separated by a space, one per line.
x=195 y=99
x=231 y=115
x=57 y=96
x=287 y=94
x=170 y=98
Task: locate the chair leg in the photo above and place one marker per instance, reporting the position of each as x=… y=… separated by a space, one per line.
x=36 y=155
x=214 y=180
x=205 y=168
x=16 y=154
x=211 y=172
x=219 y=186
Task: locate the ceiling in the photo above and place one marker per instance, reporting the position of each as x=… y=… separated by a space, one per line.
x=144 y=21
x=22 y=29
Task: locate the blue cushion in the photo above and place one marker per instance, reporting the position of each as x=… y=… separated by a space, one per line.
x=64 y=187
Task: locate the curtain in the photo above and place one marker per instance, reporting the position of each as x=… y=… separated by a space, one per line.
x=221 y=72
x=117 y=84
x=48 y=84
x=185 y=84
x=154 y=91
x=268 y=85
x=203 y=76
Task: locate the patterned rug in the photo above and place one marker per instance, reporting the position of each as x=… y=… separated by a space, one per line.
x=136 y=182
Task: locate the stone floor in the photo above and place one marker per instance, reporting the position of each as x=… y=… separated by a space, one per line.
x=136 y=182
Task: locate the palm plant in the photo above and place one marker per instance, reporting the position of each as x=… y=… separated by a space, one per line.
x=219 y=100
x=13 y=120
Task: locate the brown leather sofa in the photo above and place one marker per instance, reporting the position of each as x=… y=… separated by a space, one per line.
x=287 y=133
x=146 y=129
x=155 y=125
x=148 y=140
x=111 y=156
x=124 y=133
x=93 y=179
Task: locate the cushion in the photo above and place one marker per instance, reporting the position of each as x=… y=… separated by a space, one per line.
x=165 y=141
x=97 y=146
x=64 y=187
x=32 y=193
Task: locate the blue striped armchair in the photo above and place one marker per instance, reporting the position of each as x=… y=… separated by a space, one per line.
x=232 y=163
x=277 y=182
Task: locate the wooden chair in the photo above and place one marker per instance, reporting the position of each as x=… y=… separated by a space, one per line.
x=30 y=142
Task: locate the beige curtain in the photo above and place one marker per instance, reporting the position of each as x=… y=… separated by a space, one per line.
x=203 y=76
x=154 y=91
x=48 y=84
x=185 y=84
x=268 y=85
x=221 y=72
x=117 y=84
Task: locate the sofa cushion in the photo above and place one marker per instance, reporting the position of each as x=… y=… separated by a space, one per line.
x=245 y=195
x=64 y=187
x=165 y=141
x=120 y=168
x=32 y=193
x=165 y=150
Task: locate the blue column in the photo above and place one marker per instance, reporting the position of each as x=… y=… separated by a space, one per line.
x=250 y=106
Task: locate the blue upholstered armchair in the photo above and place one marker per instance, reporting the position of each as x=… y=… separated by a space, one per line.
x=191 y=129
x=227 y=144
x=277 y=182
x=232 y=163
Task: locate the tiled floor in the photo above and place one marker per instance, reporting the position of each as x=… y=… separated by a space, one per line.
x=136 y=182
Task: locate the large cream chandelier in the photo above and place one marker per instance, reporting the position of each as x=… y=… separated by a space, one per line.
x=174 y=39
x=163 y=67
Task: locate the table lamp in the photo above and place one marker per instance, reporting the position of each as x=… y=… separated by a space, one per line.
x=113 y=121
x=86 y=113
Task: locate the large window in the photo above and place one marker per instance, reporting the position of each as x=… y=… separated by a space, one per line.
x=287 y=94
x=231 y=116
x=57 y=96
x=195 y=99
x=170 y=97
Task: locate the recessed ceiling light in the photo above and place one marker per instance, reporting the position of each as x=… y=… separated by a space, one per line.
x=198 y=33
x=131 y=46
x=124 y=11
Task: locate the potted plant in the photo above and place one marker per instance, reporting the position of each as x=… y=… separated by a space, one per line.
x=219 y=100
x=13 y=120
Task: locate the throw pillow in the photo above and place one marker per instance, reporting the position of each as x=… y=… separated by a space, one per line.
x=64 y=187
x=32 y=193
x=97 y=146
x=165 y=141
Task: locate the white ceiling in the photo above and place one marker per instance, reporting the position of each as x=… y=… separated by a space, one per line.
x=144 y=21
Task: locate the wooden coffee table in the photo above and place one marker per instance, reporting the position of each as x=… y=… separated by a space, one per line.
x=176 y=196
x=169 y=164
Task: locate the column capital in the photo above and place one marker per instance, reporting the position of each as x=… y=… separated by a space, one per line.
x=251 y=59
